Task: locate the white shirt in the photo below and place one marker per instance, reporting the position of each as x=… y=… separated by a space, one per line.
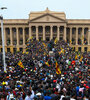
x=62 y=96
x=30 y=97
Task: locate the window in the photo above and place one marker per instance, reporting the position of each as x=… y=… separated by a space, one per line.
x=21 y=49
x=61 y=38
x=8 y=42
x=47 y=39
x=85 y=49
x=15 y=42
x=21 y=42
x=8 y=49
x=79 y=49
x=40 y=38
x=14 y=50
x=79 y=41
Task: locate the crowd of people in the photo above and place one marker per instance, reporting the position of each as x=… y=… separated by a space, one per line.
x=36 y=77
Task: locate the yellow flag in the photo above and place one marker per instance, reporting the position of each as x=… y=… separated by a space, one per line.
x=70 y=41
x=28 y=40
x=81 y=58
x=76 y=57
x=31 y=37
x=3 y=83
x=23 y=52
x=62 y=51
x=20 y=64
x=44 y=45
x=58 y=71
x=27 y=52
x=56 y=40
x=47 y=64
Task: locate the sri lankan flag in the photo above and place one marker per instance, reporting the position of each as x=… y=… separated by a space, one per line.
x=81 y=58
x=47 y=64
x=76 y=57
x=58 y=71
x=56 y=40
x=20 y=64
x=62 y=51
x=70 y=41
x=44 y=44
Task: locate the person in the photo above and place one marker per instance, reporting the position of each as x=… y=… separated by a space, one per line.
x=39 y=72
x=19 y=97
x=30 y=95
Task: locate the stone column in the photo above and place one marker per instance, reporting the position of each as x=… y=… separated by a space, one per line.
x=76 y=36
x=11 y=40
x=76 y=48
x=30 y=32
x=89 y=36
x=82 y=49
x=64 y=36
x=70 y=35
x=51 y=32
x=17 y=32
x=23 y=36
x=23 y=39
x=11 y=37
x=43 y=33
x=82 y=37
x=36 y=32
x=58 y=33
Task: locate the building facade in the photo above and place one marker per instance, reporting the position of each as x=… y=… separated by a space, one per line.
x=46 y=25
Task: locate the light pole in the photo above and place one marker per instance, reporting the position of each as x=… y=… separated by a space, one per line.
x=88 y=37
x=3 y=46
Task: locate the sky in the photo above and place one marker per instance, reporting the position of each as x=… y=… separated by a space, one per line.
x=19 y=9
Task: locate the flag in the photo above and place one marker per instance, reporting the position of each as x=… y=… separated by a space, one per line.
x=81 y=58
x=27 y=52
x=47 y=64
x=70 y=41
x=58 y=71
x=62 y=51
x=28 y=40
x=55 y=41
x=76 y=57
x=23 y=52
x=20 y=64
x=44 y=45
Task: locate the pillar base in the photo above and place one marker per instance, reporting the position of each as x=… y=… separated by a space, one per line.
x=5 y=49
x=76 y=49
x=89 y=48
x=82 y=49
x=18 y=49
x=11 y=49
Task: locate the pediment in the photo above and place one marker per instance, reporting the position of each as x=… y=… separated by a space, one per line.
x=47 y=18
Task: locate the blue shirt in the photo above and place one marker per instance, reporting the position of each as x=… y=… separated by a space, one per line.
x=47 y=97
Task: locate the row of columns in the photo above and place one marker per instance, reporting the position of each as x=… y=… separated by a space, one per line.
x=51 y=33
x=17 y=36
x=37 y=35
x=64 y=34
x=76 y=37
